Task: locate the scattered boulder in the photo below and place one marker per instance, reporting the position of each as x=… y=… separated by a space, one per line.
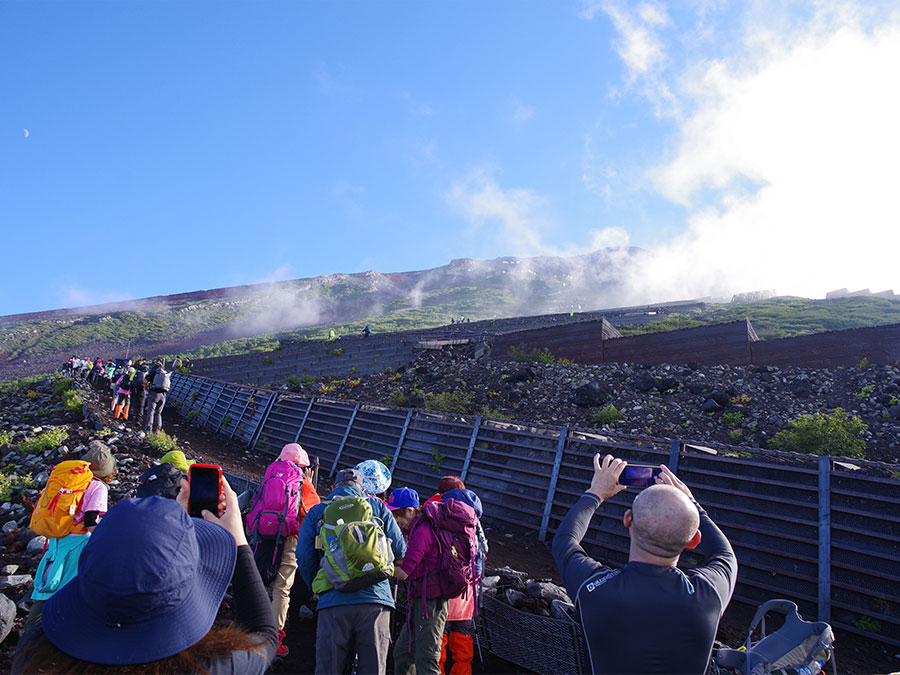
x=7 y=616
x=591 y=393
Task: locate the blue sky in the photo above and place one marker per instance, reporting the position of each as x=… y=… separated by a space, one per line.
x=745 y=145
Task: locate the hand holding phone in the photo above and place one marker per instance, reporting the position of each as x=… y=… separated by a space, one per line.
x=206 y=485
x=639 y=475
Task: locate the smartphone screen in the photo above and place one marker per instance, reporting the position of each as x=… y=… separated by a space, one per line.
x=638 y=475
x=205 y=481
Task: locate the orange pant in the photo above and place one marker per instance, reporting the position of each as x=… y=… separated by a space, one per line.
x=461 y=649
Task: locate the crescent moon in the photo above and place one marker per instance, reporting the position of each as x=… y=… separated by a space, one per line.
x=26 y=133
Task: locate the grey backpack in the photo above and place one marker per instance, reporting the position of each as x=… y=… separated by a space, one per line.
x=161 y=381
x=797 y=644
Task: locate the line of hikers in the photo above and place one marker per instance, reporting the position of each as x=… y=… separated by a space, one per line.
x=138 y=389
x=146 y=585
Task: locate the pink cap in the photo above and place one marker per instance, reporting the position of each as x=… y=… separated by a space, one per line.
x=292 y=452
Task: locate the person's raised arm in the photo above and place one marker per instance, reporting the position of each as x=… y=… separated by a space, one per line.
x=574 y=565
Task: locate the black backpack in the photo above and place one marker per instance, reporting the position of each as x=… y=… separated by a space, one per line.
x=138 y=381
x=161 y=480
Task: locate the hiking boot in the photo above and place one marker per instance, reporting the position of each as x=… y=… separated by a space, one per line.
x=282 y=649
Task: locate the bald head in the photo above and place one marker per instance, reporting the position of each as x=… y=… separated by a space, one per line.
x=663 y=520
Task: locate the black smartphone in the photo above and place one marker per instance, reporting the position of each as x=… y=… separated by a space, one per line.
x=206 y=483
x=639 y=475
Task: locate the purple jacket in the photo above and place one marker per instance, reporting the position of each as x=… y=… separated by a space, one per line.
x=422 y=557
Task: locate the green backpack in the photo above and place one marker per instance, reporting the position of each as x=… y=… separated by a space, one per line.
x=357 y=553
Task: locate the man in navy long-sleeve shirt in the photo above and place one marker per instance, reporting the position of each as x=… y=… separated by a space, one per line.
x=650 y=616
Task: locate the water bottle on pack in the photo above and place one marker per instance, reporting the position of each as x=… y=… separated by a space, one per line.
x=812 y=668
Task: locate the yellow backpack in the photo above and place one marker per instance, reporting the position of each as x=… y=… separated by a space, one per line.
x=54 y=513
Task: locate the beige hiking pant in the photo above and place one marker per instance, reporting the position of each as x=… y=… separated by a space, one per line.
x=284 y=580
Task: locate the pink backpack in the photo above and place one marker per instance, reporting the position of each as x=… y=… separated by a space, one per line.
x=276 y=510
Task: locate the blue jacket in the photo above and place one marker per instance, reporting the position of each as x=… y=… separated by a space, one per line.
x=308 y=557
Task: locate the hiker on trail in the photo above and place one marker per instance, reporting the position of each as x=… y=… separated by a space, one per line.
x=67 y=511
x=285 y=496
x=123 y=394
x=457 y=641
x=138 y=392
x=149 y=586
x=351 y=621
x=376 y=478
x=160 y=382
x=367 y=331
x=650 y=616
x=439 y=564
x=176 y=364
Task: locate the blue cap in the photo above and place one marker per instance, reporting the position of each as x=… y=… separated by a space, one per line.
x=466 y=497
x=403 y=498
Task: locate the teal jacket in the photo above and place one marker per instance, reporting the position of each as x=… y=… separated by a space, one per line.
x=308 y=557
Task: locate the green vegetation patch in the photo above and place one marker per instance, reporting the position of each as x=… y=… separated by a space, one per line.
x=161 y=442
x=608 y=415
x=47 y=440
x=838 y=433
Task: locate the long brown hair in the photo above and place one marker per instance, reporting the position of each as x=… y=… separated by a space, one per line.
x=42 y=656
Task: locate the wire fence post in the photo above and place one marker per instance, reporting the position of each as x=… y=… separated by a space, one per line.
x=228 y=408
x=337 y=456
x=305 y=417
x=825 y=538
x=212 y=408
x=399 y=447
x=262 y=420
x=554 y=477
x=465 y=468
x=674 y=455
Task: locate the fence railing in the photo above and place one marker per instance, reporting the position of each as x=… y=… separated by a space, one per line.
x=821 y=531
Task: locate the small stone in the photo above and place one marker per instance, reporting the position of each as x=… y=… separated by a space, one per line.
x=7 y=616
x=36 y=544
x=15 y=581
x=9 y=526
x=6 y=570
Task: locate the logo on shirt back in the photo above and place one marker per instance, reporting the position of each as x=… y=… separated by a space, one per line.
x=602 y=580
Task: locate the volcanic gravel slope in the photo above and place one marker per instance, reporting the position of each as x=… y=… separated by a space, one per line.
x=733 y=405
x=31 y=410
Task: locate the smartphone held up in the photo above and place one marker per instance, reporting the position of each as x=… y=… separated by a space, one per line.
x=639 y=475
x=206 y=484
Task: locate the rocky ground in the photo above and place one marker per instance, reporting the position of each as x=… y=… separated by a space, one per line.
x=29 y=412
x=733 y=405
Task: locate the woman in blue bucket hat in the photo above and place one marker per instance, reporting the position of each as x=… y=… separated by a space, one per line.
x=376 y=477
x=149 y=585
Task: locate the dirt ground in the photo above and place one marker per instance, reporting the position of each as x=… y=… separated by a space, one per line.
x=854 y=655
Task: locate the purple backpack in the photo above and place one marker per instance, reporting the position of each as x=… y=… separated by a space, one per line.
x=275 y=511
x=453 y=524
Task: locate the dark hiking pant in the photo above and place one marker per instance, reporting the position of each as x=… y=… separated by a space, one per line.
x=153 y=414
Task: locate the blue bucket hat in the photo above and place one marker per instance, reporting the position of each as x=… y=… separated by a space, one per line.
x=466 y=497
x=149 y=584
x=376 y=476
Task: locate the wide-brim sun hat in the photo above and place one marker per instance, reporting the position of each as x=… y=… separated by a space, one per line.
x=294 y=452
x=376 y=476
x=150 y=581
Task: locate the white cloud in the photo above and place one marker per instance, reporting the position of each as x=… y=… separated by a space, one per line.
x=522 y=113
x=787 y=162
x=639 y=47
x=414 y=105
x=513 y=220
